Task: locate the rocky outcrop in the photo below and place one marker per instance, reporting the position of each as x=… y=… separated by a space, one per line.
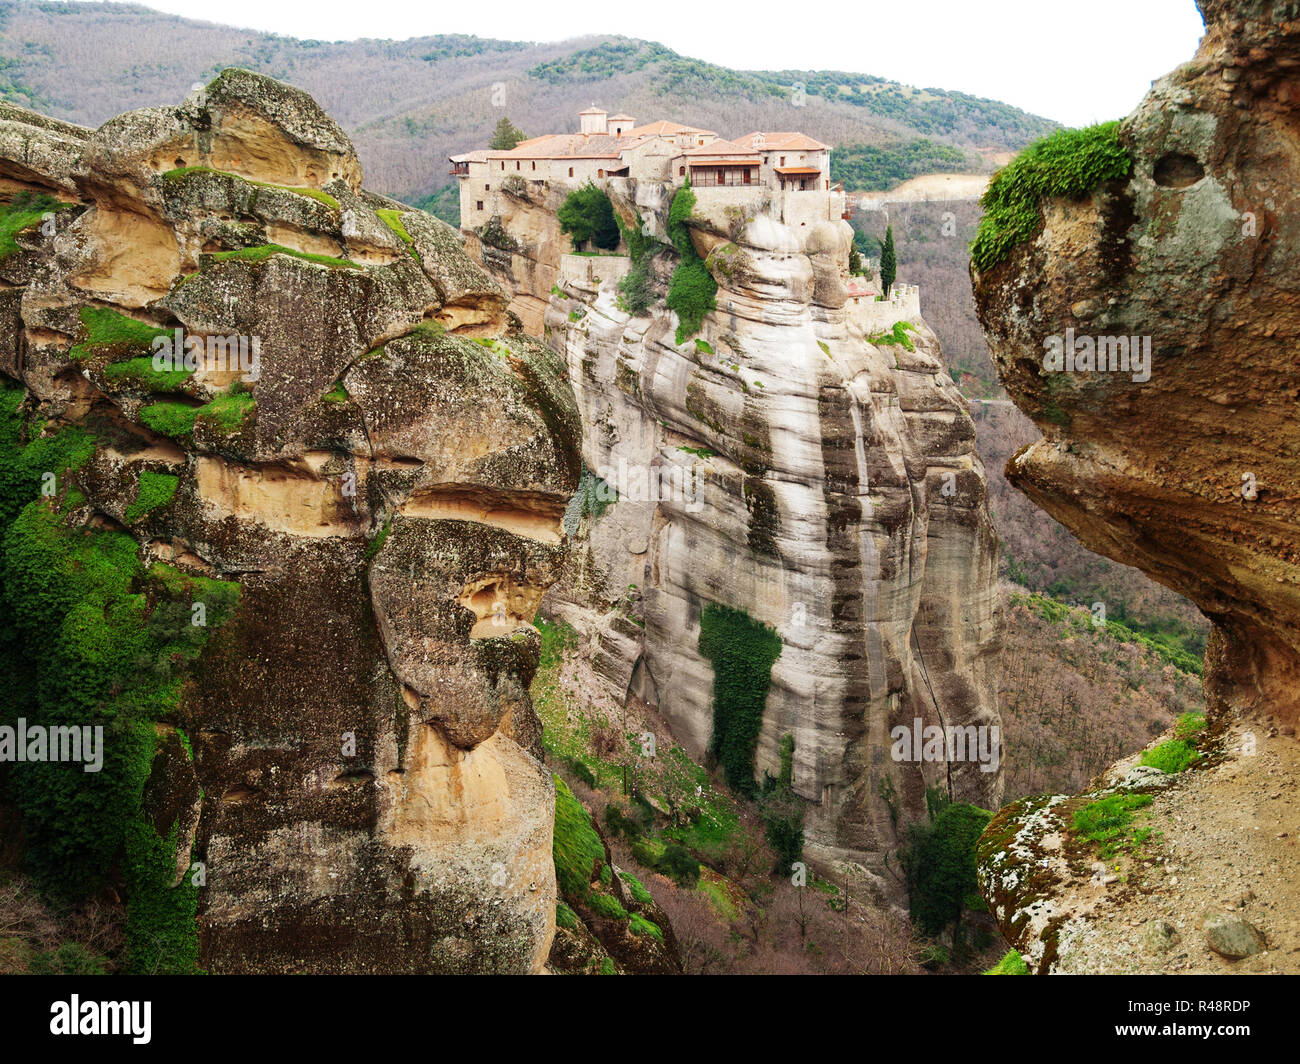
x=1190 y=474
x=365 y=460
x=792 y=462
x=1184 y=468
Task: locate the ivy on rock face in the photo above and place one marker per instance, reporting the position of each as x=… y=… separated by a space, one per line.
x=742 y=652
x=692 y=291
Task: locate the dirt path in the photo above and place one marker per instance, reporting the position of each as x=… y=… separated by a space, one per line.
x=1230 y=844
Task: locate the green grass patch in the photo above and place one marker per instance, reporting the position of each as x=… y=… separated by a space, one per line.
x=109 y=331
x=895 y=336
x=641 y=926
x=226 y=412
x=576 y=848
x=637 y=889
x=1173 y=756
x=25 y=211
x=606 y=905
x=262 y=252
x=139 y=374
x=182 y=172
x=1069 y=164
x=393 y=219
x=170 y=418
x=156 y=490
x=1107 y=822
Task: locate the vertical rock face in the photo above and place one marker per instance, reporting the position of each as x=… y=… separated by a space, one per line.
x=784 y=463
x=384 y=476
x=1190 y=475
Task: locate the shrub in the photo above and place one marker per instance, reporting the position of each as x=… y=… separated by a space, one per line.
x=940 y=866
x=587 y=215
x=782 y=812
x=72 y=958
x=679 y=865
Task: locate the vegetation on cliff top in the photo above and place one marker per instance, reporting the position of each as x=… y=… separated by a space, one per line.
x=1069 y=164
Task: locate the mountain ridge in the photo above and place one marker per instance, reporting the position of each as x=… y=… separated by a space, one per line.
x=408 y=104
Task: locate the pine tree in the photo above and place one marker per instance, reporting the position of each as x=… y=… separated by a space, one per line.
x=855 y=261
x=505 y=136
x=888 y=261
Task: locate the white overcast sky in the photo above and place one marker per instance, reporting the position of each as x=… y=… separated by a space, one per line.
x=1076 y=63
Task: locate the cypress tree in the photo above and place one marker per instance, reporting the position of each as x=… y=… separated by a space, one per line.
x=888 y=261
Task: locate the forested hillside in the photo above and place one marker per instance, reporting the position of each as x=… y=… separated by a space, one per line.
x=408 y=104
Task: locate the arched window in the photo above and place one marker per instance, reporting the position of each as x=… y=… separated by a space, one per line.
x=570 y=171
x=681 y=171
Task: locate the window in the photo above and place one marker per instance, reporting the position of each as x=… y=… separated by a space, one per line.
x=700 y=142
x=480 y=205
x=747 y=176
x=600 y=173
x=487 y=188
x=681 y=171
x=782 y=163
x=570 y=171
x=503 y=164
x=534 y=166
x=516 y=164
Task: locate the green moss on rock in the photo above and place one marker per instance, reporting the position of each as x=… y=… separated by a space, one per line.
x=156 y=490
x=1069 y=164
